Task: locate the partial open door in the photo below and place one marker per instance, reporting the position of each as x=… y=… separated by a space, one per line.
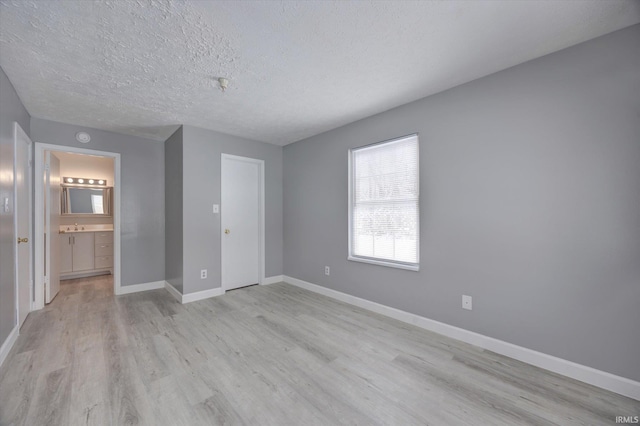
x=242 y=220
x=52 y=226
x=22 y=224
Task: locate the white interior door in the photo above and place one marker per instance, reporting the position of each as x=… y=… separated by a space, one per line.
x=22 y=181
x=242 y=220
x=52 y=226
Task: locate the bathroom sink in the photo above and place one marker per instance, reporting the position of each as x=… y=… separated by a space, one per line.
x=65 y=229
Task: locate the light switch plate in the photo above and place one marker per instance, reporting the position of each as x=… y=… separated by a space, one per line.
x=216 y=208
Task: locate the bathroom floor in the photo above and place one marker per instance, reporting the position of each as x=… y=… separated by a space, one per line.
x=87 y=288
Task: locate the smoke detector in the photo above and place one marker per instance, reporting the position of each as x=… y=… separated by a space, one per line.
x=83 y=137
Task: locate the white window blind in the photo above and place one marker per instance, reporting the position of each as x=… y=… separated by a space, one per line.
x=384 y=202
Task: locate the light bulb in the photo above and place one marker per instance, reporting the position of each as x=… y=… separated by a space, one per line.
x=91 y=181
x=100 y=181
x=80 y=180
x=69 y=180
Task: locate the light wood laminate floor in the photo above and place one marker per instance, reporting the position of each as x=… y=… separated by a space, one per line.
x=270 y=355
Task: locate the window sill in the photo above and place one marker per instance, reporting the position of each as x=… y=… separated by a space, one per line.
x=385 y=263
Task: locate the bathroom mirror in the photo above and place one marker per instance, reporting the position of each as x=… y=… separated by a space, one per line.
x=86 y=201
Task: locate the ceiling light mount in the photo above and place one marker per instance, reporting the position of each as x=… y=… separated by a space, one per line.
x=223 y=83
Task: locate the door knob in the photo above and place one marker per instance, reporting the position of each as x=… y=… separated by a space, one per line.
x=23 y=240
x=226 y=231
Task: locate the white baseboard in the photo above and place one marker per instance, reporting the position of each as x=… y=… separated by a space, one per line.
x=601 y=379
x=272 y=280
x=193 y=297
x=200 y=295
x=74 y=275
x=135 y=288
x=8 y=344
x=172 y=290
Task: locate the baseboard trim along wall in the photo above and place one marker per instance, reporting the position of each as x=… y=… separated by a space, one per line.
x=8 y=344
x=272 y=280
x=205 y=294
x=73 y=276
x=601 y=379
x=201 y=295
x=193 y=297
x=135 y=288
x=172 y=291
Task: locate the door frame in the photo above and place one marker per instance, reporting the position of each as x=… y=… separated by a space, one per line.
x=261 y=216
x=28 y=173
x=40 y=148
x=49 y=248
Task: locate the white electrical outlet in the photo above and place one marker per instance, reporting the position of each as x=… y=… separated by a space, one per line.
x=216 y=208
x=203 y=274
x=467 y=302
x=327 y=270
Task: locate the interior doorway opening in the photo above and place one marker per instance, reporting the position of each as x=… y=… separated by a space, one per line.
x=77 y=210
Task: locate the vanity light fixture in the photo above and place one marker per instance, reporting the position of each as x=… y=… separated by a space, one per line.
x=84 y=181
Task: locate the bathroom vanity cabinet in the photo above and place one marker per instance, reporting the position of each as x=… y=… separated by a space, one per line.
x=85 y=253
x=103 y=250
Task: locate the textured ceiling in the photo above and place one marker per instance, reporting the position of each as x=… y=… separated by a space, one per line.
x=295 y=68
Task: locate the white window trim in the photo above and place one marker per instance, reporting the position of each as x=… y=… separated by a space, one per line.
x=376 y=261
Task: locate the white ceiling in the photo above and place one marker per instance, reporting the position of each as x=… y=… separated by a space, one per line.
x=295 y=68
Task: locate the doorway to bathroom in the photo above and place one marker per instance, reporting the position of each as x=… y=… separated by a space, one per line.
x=77 y=208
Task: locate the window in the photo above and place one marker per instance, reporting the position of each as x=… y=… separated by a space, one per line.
x=96 y=204
x=384 y=203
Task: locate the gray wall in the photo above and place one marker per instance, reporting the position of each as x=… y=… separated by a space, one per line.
x=173 y=224
x=202 y=151
x=530 y=203
x=142 y=192
x=11 y=109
